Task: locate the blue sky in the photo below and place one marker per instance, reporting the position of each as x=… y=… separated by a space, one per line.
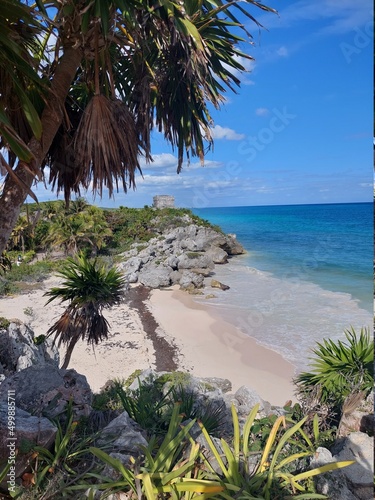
x=300 y=128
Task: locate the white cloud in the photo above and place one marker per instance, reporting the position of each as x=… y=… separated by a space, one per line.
x=282 y=52
x=340 y=16
x=262 y=111
x=219 y=132
x=163 y=160
x=248 y=82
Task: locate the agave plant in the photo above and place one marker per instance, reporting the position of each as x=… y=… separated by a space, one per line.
x=342 y=368
x=88 y=287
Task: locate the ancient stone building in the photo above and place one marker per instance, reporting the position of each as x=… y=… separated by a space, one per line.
x=163 y=201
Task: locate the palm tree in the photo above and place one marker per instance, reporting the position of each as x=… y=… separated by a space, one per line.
x=105 y=74
x=88 y=287
x=72 y=231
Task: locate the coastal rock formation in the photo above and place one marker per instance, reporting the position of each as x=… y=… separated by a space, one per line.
x=181 y=255
x=47 y=390
x=19 y=349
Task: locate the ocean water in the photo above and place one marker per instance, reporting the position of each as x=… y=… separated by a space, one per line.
x=306 y=276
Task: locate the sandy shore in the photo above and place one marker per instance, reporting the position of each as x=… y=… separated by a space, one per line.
x=211 y=347
x=164 y=331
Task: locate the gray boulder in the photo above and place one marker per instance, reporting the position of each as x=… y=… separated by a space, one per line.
x=217 y=255
x=47 y=390
x=124 y=435
x=191 y=260
x=18 y=349
x=155 y=276
x=354 y=482
x=190 y=281
x=360 y=476
x=333 y=484
x=247 y=398
x=29 y=432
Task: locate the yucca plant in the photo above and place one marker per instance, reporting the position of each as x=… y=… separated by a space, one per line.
x=88 y=287
x=340 y=368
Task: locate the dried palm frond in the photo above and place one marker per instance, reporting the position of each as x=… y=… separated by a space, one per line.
x=106 y=146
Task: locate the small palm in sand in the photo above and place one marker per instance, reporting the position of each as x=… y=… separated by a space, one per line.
x=88 y=287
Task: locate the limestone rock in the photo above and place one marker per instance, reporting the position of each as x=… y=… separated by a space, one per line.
x=190 y=280
x=124 y=435
x=155 y=277
x=352 y=482
x=218 y=284
x=30 y=431
x=47 y=390
x=223 y=384
x=248 y=398
x=359 y=447
x=218 y=255
x=332 y=484
x=191 y=260
x=19 y=351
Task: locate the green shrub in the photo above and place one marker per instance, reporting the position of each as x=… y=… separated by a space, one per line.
x=40 y=339
x=4 y=323
x=146 y=405
x=340 y=368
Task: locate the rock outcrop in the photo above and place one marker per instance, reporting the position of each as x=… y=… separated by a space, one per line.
x=19 y=349
x=183 y=255
x=354 y=482
x=47 y=390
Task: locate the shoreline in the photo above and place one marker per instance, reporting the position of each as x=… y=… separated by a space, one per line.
x=217 y=348
x=165 y=330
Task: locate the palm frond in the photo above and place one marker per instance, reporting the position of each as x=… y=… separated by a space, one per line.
x=106 y=146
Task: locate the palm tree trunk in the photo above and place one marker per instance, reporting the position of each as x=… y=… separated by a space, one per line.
x=69 y=351
x=14 y=193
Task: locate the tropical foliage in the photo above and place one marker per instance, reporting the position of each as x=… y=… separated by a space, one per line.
x=177 y=467
x=88 y=287
x=340 y=368
x=82 y=90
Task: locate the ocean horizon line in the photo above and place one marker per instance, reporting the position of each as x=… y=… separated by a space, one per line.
x=283 y=205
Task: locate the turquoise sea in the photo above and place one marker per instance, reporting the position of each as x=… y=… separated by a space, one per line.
x=306 y=276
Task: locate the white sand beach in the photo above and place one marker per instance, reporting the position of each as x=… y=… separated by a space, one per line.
x=203 y=345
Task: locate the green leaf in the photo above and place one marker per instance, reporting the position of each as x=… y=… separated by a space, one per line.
x=30 y=112
x=322 y=469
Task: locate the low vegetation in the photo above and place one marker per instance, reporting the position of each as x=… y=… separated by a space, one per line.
x=174 y=466
x=339 y=371
x=51 y=232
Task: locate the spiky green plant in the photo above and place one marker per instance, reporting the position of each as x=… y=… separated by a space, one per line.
x=341 y=368
x=88 y=287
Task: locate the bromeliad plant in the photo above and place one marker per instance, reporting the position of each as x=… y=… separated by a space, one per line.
x=163 y=472
x=174 y=471
x=275 y=474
